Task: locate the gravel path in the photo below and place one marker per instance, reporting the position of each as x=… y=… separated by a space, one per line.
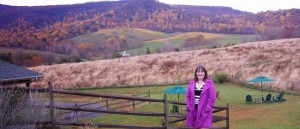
x=73 y=115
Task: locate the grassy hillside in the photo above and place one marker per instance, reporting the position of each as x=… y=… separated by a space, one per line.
x=233 y=39
x=133 y=35
x=177 y=39
x=26 y=57
x=141 y=39
x=15 y=51
x=279 y=59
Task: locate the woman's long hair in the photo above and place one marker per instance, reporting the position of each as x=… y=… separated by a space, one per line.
x=198 y=68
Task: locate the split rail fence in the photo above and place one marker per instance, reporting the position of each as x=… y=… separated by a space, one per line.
x=166 y=115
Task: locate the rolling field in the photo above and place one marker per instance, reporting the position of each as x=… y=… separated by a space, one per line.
x=32 y=52
x=176 y=41
x=155 y=40
x=133 y=35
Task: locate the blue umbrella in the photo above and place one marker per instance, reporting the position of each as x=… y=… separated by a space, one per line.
x=176 y=90
x=261 y=79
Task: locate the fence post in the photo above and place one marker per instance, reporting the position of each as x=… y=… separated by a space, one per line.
x=29 y=92
x=76 y=113
x=149 y=95
x=51 y=104
x=133 y=106
x=107 y=107
x=166 y=125
x=227 y=115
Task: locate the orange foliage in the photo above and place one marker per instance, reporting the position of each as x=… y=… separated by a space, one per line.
x=86 y=46
x=37 y=60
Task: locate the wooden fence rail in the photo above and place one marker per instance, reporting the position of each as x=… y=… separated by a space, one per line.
x=165 y=114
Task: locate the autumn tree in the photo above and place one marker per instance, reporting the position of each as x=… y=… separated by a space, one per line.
x=6 y=57
x=194 y=41
x=112 y=44
x=123 y=42
x=148 y=51
x=37 y=60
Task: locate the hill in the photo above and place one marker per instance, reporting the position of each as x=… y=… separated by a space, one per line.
x=24 y=27
x=134 y=35
x=137 y=40
x=276 y=58
x=107 y=41
x=183 y=42
x=31 y=57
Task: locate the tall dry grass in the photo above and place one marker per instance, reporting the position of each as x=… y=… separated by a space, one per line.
x=279 y=59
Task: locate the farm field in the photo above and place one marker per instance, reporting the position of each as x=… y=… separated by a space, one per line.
x=155 y=40
x=132 y=35
x=242 y=116
x=14 y=51
x=176 y=40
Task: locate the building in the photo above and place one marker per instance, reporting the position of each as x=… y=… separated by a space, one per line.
x=124 y=53
x=11 y=74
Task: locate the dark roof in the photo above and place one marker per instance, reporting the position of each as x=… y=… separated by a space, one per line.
x=10 y=73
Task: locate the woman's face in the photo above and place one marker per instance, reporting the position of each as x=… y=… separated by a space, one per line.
x=200 y=74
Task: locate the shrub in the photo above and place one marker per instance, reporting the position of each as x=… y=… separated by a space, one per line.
x=176 y=49
x=18 y=111
x=65 y=60
x=6 y=57
x=221 y=77
x=148 y=51
x=116 y=55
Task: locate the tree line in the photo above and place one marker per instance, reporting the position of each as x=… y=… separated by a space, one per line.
x=49 y=28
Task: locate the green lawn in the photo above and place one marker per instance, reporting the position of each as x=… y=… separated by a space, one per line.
x=242 y=116
x=233 y=39
x=155 y=40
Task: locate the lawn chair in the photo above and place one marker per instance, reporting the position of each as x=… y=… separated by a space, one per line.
x=279 y=97
x=218 y=94
x=249 y=99
x=268 y=98
x=174 y=109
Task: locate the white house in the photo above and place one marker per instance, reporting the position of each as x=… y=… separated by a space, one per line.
x=124 y=53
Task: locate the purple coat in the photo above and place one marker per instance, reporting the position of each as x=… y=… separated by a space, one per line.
x=203 y=117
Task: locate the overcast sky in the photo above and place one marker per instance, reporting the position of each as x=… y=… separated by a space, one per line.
x=243 y=5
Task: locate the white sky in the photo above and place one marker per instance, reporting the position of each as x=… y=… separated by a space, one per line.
x=243 y=5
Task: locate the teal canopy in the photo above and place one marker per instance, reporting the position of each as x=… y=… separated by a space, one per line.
x=261 y=79
x=176 y=90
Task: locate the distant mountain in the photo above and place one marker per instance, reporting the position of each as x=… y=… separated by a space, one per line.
x=50 y=28
x=136 y=13
x=210 y=10
x=80 y=19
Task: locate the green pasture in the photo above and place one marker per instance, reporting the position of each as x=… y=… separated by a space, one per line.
x=233 y=39
x=155 y=40
x=279 y=115
x=21 y=51
x=177 y=39
x=133 y=35
x=155 y=45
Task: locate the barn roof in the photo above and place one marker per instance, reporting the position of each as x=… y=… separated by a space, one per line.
x=12 y=74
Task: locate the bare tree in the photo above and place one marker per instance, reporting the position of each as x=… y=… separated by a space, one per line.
x=19 y=110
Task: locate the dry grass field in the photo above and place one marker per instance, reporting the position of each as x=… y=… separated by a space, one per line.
x=279 y=59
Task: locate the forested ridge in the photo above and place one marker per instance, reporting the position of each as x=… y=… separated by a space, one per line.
x=49 y=28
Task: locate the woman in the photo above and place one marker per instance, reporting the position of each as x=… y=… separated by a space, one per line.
x=200 y=99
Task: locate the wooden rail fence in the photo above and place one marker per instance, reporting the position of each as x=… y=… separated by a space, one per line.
x=165 y=114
